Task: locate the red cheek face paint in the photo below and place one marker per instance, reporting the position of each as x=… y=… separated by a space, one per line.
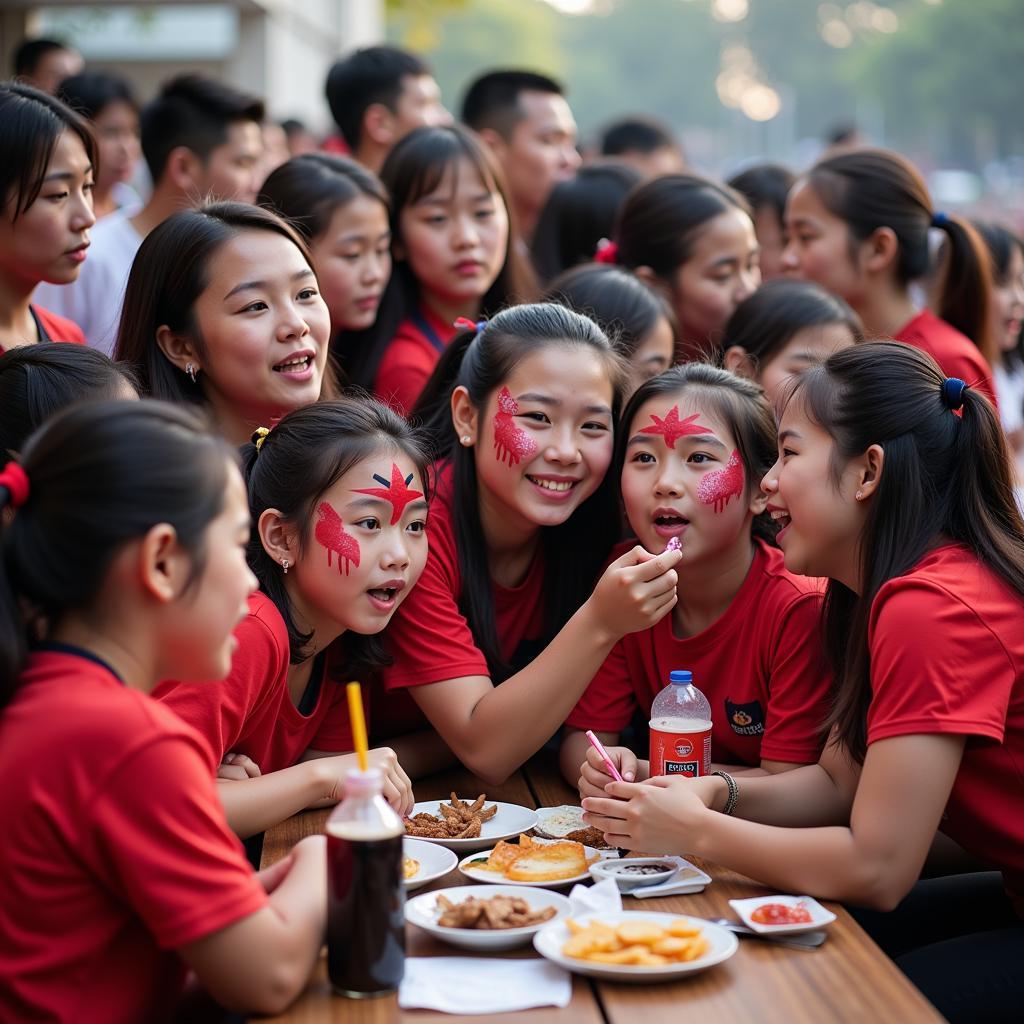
x=396 y=491
x=721 y=486
x=511 y=443
x=330 y=534
x=671 y=427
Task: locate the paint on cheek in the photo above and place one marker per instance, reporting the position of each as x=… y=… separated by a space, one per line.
x=721 y=486
x=330 y=534
x=671 y=427
x=511 y=443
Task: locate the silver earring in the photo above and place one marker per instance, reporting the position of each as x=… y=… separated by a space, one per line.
x=466 y=439
x=190 y=369
x=284 y=565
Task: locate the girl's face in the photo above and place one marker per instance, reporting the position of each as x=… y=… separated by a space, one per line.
x=721 y=272
x=200 y=644
x=819 y=245
x=821 y=521
x=683 y=477
x=117 y=135
x=48 y=241
x=653 y=355
x=808 y=347
x=1008 y=303
x=264 y=326
x=353 y=262
x=544 y=438
x=455 y=237
x=366 y=547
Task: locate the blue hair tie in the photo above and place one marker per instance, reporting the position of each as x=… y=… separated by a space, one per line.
x=940 y=220
x=953 y=389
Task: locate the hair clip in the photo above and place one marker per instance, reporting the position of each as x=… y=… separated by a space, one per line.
x=953 y=389
x=259 y=435
x=15 y=479
x=940 y=220
x=465 y=324
x=607 y=252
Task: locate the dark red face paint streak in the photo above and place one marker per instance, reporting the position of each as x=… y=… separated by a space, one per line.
x=330 y=533
x=672 y=428
x=396 y=491
x=721 y=486
x=511 y=443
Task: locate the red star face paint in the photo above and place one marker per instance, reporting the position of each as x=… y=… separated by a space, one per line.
x=330 y=534
x=672 y=428
x=721 y=486
x=396 y=491
x=511 y=443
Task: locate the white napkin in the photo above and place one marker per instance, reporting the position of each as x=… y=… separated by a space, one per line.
x=694 y=880
x=600 y=898
x=470 y=984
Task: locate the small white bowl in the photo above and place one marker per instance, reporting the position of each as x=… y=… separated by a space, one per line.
x=435 y=861
x=627 y=881
x=820 y=916
x=424 y=912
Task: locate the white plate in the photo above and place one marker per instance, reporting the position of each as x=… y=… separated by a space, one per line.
x=547 y=824
x=435 y=861
x=820 y=916
x=480 y=875
x=509 y=820
x=549 y=941
x=424 y=912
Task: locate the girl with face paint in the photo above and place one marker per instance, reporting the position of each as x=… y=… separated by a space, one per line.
x=894 y=482
x=695 y=441
x=338 y=499
x=522 y=523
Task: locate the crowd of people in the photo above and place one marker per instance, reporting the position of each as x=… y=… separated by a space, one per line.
x=424 y=406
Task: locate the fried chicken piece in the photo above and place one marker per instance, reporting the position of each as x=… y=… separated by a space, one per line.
x=592 y=837
x=495 y=913
x=488 y=812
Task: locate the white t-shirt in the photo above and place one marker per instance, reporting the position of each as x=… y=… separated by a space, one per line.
x=1010 y=395
x=94 y=301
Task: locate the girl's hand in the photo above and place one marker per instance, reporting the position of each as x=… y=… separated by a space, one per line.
x=594 y=774
x=397 y=785
x=238 y=767
x=660 y=816
x=635 y=591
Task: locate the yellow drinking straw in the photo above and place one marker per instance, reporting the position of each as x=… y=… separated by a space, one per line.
x=355 y=716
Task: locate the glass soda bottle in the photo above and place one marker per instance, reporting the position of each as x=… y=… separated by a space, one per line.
x=680 y=729
x=365 y=891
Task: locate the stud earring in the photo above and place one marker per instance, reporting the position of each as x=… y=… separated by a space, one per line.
x=859 y=495
x=466 y=439
x=284 y=565
x=190 y=369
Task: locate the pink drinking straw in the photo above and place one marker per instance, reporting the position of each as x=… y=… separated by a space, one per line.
x=599 y=747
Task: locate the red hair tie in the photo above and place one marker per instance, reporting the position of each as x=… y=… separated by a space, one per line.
x=14 y=478
x=465 y=324
x=607 y=252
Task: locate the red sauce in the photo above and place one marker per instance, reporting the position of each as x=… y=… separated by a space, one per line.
x=779 y=913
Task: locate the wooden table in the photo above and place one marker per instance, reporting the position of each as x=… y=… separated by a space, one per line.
x=846 y=979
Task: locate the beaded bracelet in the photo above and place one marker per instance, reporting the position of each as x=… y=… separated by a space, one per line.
x=734 y=792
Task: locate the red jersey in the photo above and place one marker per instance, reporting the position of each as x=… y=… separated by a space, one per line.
x=51 y=327
x=114 y=850
x=429 y=636
x=761 y=665
x=947 y=656
x=955 y=353
x=252 y=712
x=410 y=358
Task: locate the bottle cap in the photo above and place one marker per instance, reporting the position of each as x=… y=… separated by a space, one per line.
x=366 y=783
x=680 y=677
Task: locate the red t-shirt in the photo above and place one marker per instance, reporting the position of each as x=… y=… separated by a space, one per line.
x=51 y=327
x=410 y=358
x=252 y=712
x=761 y=666
x=955 y=353
x=428 y=635
x=114 y=850
x=947 y=656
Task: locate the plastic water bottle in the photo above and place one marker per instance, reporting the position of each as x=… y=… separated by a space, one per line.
x=680 y=729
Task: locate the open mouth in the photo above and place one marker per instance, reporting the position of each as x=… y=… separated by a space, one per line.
x=555 y=486
x=387 y=595
x=780 y=517
x=297 y=364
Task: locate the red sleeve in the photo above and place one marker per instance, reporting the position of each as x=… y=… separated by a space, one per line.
x=162 y=843
x=404 y=371
x=799 y=683
x=936 y=666
x=59 y=328
x=608 y=703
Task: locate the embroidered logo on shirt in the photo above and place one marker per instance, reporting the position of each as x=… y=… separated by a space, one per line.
x=745 y=719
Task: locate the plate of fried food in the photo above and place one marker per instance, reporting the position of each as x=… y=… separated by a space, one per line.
x=423 y=862
x=530 y=861
x=486 y=917
x=632 y=945
x=465 y=825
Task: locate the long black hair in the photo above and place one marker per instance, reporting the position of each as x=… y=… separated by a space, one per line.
x=739 y=403
x=573 y=551
x=101 y=474
x=945 y=476
x=302 y=457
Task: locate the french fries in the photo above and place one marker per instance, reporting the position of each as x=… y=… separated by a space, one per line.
x=635 y=943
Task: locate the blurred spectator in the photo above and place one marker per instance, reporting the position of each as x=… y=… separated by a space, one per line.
x=646 y=144
x=300 y=139
x=526 y=121
x=275 y=148
x=45 y=63
x=377 y=96
x=765 y=187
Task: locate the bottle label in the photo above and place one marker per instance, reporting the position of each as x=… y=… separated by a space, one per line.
x=680 y=747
